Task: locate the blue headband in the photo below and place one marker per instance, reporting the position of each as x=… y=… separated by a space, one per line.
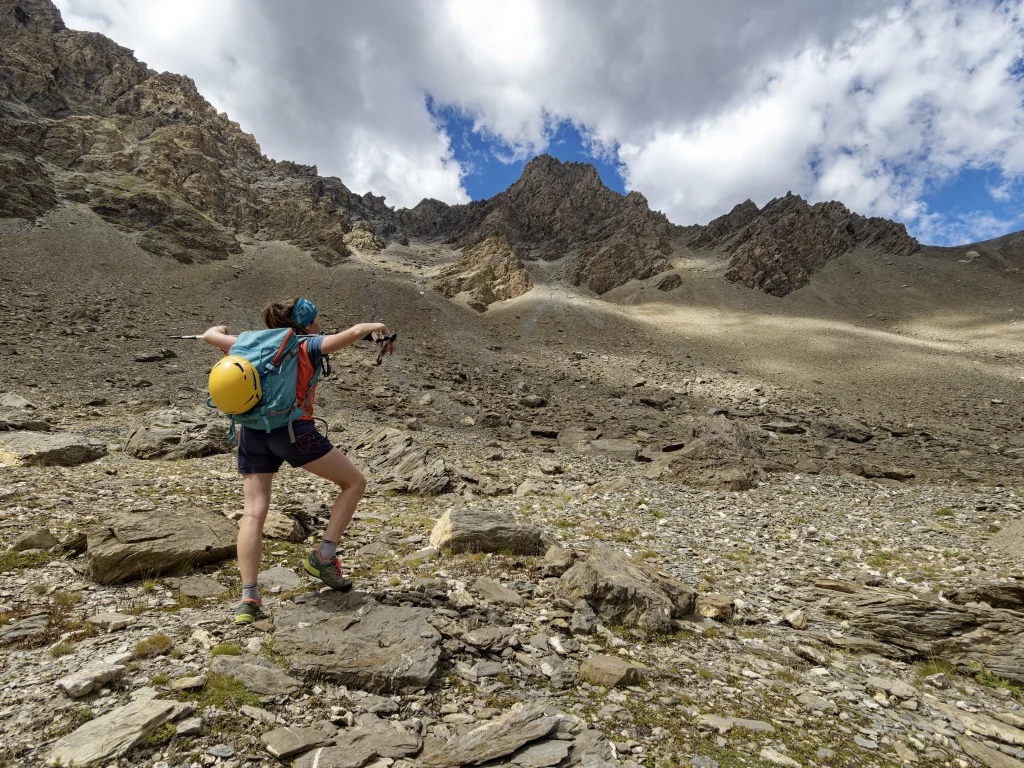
x=304 y=313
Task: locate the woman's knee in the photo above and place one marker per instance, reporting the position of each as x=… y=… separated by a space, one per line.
x=356 y=483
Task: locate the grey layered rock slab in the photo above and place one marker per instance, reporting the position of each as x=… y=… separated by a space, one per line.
x=285 y=526
x=291 y=740
x=542 y=754
x=49 y=449
x=278 y=579
x=171 y=435
x=201 y=586
x=1008 y=595
x=496 y=592
x=992 y=637
x=621 y=450
x=11 y=400
x=23 y=420
x=134 y=546
x=991 y=758
x=113 y=734
x=492 y=638
x=378 y=736
x=405 y=465
x=335 y=757
x=30 y=626
x=497 y=738
x=626 y=591
x=256 y=674
x=485 y=530
x=353 y=640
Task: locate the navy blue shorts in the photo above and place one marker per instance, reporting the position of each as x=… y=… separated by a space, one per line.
x=260 y=451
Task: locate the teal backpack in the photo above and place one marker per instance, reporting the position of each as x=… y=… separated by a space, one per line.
x=275 y=355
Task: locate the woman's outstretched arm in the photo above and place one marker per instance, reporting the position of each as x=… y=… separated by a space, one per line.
x=219 y=338
x=342 y=339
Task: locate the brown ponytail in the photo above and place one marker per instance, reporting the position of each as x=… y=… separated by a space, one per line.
x=279 y=315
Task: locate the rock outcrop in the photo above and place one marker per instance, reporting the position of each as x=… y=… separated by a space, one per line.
x=81 y=119
x=723 y=454
x=776 y=249
x=626 y=591
x=488 y=272
x=55 y=449
x=172 y=435
x=560 y=209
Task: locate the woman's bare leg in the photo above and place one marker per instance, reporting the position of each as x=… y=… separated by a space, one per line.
x=256 y=490
x=340 y=470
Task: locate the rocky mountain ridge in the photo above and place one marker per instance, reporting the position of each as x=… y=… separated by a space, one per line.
x=777 y=248
x=558 y=209
x=82 y=120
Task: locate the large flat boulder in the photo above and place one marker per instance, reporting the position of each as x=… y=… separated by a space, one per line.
x=355 y=641
x=113 y=734
x=485 y=530
x=133 y=546
x=626 y=591
x=723 y=455
x=49 y=449
x=172 y=435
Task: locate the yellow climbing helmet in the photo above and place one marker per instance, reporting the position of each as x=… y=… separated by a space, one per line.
x=235 y=385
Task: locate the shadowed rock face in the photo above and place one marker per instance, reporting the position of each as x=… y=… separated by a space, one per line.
x=82 y=119
x=778 y=248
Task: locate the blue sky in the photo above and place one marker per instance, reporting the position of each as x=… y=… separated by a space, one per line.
x=491 y=166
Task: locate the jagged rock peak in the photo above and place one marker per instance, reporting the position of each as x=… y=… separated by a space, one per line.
x=779 y=247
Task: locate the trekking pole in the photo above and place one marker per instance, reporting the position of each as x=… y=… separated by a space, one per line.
x=185 y=337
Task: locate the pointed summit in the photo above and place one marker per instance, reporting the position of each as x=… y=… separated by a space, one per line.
x=560 y=209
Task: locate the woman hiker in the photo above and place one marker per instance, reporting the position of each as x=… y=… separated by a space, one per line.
x=260 y=454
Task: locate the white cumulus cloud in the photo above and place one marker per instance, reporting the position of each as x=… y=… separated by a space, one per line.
x=877 y=103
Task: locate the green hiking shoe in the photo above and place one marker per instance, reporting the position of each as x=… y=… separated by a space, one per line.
x=329 y=573
x=248 y=611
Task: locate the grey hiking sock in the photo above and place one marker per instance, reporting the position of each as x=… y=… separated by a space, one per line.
x=250 y=592
x=327 y=550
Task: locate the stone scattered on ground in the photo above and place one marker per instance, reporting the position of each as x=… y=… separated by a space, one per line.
x=113 y=734
x=49 y=449
x=626 y=591
x=173 y=435
x=40 y=538
x=483 y=530
x=141 y=545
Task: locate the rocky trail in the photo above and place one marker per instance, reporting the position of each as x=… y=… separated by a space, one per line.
x=594 y=553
